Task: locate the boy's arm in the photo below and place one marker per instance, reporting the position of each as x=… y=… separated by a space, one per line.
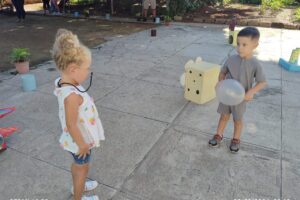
x=261 y=83
x=250 y=93
x=224 y=70
x=222 y=76
x=72 y=103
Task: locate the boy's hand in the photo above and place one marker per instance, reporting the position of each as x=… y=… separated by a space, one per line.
x=84 y=149
x=248 y=96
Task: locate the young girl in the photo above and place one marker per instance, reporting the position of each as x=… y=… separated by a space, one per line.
x=81 y=127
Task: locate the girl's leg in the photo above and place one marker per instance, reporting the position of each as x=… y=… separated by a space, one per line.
x=56 y=6
x=17 y=6
x=48 y=5
x=44 y=6
x=61 y=5
x=79 y=174
x=222 y=124
x=53 y=7
x=22 y=10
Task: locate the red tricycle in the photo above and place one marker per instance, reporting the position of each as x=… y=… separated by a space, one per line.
x=6 y=131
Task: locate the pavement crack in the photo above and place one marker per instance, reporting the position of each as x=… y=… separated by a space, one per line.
x=281 y=117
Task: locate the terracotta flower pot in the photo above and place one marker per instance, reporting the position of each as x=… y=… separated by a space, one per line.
x=22 y=67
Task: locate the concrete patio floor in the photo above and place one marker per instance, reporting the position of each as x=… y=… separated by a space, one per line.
x=156 y=141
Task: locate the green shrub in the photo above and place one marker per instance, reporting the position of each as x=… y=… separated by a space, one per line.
x=270 y=2
x=275 y=5
x=297 y=14
x=263 y=7
x=256 y=2
x=168 y=18
x=226 y=2
x=81 y=2
x=179 y=7
x=288 y=2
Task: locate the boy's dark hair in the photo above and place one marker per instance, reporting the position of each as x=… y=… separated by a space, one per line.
x=251 y=32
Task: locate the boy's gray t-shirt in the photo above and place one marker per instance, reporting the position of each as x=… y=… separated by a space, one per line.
x=245 y=71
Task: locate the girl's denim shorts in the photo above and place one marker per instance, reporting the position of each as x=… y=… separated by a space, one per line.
x=81 y=161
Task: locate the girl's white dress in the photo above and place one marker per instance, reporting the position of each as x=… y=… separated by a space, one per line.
x=88 y=121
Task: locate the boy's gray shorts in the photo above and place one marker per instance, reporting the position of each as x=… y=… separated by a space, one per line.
x=236 y=111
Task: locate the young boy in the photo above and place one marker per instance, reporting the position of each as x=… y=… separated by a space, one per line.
x=243 y=68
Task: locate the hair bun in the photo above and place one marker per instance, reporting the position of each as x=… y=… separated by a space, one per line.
x=67 y=49
x=66 y=39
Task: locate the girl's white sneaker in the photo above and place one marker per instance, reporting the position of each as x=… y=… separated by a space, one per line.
x=94 y=197
x=89 y=185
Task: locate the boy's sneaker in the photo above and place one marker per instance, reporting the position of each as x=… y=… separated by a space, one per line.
x=89 y=185
x=94 y=197
x=234 y=145
x=215 y=141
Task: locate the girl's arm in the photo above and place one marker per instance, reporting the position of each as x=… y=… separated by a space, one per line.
x=72 y=103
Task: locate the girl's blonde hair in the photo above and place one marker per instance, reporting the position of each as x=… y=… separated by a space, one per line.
x=67 y=49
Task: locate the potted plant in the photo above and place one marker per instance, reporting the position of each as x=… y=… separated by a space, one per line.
x=167 y=20
x=20 y=57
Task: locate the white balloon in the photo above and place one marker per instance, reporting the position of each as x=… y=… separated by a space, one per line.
x=182 y=80
x=230 y=92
